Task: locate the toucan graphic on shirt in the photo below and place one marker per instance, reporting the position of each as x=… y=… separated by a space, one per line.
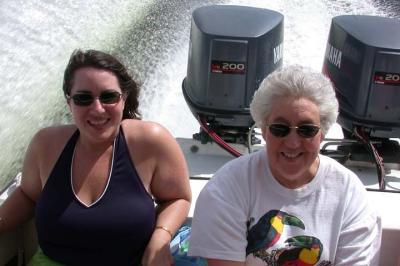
x=267 y=231
x=299 y=250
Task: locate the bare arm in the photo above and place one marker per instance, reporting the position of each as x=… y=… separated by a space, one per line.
x=170 y=185
x=164 y=171
x=19 y=206
x=171 y=189
x=361 y=231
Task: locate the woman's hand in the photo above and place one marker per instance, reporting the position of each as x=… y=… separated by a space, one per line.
x=157 y=252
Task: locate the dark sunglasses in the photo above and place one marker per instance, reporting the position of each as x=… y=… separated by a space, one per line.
x=86 y=99
x=282 y=130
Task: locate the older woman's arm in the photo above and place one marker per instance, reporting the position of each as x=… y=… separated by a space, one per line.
x=171 y=189
x=219 y=225
x=360 y=238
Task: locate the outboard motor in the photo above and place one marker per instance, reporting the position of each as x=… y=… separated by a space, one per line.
x=232 y=48
x=362 y=60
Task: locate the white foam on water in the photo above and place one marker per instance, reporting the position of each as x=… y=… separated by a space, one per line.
x=38 y=37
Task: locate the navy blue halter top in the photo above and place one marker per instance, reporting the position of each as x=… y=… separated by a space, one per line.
x=114 y=230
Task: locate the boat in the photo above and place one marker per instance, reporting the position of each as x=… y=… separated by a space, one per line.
x=231 y=49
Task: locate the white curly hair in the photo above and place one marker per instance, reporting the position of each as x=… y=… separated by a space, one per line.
x=295 y=81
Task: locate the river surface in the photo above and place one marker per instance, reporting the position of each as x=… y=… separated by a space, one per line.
x=151 y=37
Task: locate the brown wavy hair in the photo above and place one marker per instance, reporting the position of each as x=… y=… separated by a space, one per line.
x=102 y=60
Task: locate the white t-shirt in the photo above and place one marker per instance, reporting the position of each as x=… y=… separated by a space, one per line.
x=244 y=214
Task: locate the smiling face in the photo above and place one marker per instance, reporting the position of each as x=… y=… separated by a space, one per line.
x=97 y=121
x=293 y=160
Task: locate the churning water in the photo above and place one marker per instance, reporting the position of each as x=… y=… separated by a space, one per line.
x=151 y=37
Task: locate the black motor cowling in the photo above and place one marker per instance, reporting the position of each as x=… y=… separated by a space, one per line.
x=362 y=59
x=232 y=48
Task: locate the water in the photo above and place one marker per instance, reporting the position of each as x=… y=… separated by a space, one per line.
x=151 y=37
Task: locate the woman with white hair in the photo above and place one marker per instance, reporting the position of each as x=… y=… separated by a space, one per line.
x=287 y=204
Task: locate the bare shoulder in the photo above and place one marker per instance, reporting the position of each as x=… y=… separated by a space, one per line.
x=56 y=131
x=146 y=132
x=42 y=153
x=47 y=145
x=53 y=136
x=157 y=158
x=160 y=162
x=155 y=143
